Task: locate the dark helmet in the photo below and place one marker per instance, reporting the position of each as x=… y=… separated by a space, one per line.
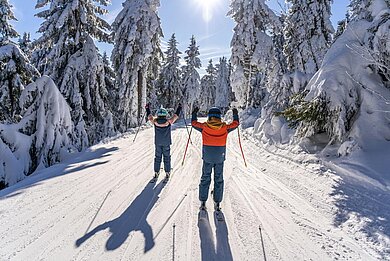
x=214 y=112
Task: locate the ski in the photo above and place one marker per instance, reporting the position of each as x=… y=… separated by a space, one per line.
x=219 y=215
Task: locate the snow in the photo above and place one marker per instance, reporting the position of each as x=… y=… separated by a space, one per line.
x=352 y=89
x=99 y=205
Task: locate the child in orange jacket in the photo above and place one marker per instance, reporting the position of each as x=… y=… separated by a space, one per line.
x=214 y=136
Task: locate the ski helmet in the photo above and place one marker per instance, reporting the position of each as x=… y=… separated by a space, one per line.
x=214 y=112
x=162 y=112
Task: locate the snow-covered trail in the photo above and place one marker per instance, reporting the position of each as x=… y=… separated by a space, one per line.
x=101 y=206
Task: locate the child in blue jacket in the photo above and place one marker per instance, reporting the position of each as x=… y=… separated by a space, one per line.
x=162 y=138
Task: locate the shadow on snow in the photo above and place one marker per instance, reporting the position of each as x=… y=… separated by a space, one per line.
x=210 y=251
x=60 y=169
x=132 y=219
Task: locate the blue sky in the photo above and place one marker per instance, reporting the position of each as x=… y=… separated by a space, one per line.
x=183 y=17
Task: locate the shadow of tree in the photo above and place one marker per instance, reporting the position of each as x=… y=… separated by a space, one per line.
x=59 y=169
x=132 y=219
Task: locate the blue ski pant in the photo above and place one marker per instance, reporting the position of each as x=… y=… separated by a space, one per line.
x=160 y=152
x=206 y=180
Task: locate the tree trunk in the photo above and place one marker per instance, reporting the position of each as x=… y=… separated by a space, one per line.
x=140 y=93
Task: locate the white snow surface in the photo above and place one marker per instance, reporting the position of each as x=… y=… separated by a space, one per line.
x=99 y=205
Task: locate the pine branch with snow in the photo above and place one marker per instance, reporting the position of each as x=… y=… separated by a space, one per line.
x=15 y=72
x=308 y=32
x=7 y=31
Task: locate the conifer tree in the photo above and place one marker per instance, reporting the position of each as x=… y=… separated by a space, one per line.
x=191 y=77
x=7 y=31
x=249 y=44
x=67 y=53
x=135 y=56
x=169 y=86
x=207 y=85
x=25 y=44
x=222 y=85
x=15 y=68
x=308 y=33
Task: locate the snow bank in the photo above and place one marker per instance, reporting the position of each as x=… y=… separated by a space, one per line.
x=355 y=94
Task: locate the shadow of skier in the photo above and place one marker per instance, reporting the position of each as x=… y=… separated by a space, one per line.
x=133 y=219
x=210 y=251
x=223 y=251
x=206 y=236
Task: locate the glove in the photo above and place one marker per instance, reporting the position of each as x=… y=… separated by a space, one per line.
x=178 y=110
x=147 y=107
x=235 y=111
x=195 y=111
x=235 y=114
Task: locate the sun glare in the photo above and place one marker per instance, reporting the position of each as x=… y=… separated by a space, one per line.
x=208 y=7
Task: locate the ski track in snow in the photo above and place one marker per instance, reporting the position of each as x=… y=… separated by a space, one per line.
x=101 y=206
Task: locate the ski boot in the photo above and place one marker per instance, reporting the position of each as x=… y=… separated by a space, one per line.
x=167 y=176
x=217 y=211
x=217 y=206
x=202 y=205
x=155 y=177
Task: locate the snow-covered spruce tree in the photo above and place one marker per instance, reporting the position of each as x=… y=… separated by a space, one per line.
x=15 y=68
x=222 y=85
x=250 y=44
x=7 y=31
x=47 y=120
x=207 y=86
x=348 y=94
x=191 y=77
x=169 y=84
x=25 y=44
x=308 y=31
x=44 y=133
x=341 y=27
x=67 y=53
x=137 y=48
x=84 y=85
x=359 y=9
x=109 y=79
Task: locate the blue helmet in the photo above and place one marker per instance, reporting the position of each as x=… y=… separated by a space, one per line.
x=162 y=112
x=214 y=112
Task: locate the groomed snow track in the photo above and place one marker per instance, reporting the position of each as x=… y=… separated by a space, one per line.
x=100 y=205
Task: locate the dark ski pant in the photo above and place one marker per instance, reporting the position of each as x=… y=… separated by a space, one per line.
x=206 y=180
x=161 y=151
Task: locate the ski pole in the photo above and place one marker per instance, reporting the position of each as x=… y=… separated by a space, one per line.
x=143 y=116
x=262 y=244
x=239 y=141
x=173 y=243
x=185 y=152
x=185 y=122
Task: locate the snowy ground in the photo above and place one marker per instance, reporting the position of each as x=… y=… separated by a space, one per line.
x=100 y=205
